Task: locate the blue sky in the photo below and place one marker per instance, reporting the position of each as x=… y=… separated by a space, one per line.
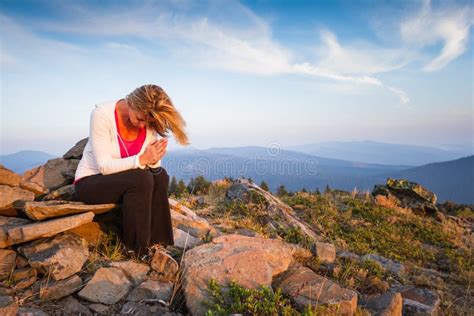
x=242 y=73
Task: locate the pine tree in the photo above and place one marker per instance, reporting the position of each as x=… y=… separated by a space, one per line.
x=180 y=189
x=173 y=186
x=281 y=191
x=327 y=189
x=264 y=185
x=198 y=185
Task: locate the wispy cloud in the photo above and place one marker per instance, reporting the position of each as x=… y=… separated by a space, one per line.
x=227 y=35
x=448 y=24
x=246 y=46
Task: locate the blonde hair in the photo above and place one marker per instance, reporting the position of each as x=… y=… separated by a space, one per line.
x=160 y=112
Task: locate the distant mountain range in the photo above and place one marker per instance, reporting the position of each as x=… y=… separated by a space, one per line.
x=450 y=180
x=384 y=153
x=24 y=160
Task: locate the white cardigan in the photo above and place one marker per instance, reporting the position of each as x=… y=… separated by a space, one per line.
x=102 y=152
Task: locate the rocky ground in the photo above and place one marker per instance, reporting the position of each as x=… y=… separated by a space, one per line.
x=238 y=249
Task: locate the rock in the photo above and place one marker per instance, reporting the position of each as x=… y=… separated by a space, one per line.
x=325 y=252
x=21 y=234
x=76 y=151
x=8 y=306
x=151 y=290
x=142 y=309
x=280 y=215
x=250 y=261
x=6 y=291
x=184 y=240
x=23 y=278
x=7 y=223
x=406 y=194
x=21 y=262
x=394 y=267
x=412 y=188
x=92 y=232
x=8 y=177
x=136 y=272
x=348 y=255
x=107 y=286
x=186 y=220
x=306 y=287
x=8 y=262
x=238 y=191
x=22 y=273
x=8 y=195
x=419 y=300
x=54 y=290
x=246 y=232
x=36 y=188
x=71 y=306
x=65 y=193
x=41 y=210
x=60 y=256
x=99 y=308
x=30 y=311
x=388 y=304
x=165 y=266
x=50 y=175
x=69 y=175
x=26 y=296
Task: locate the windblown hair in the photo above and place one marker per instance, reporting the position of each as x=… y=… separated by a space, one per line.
x=160 y=112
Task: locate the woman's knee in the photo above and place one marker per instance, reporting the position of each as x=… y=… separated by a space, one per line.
x=161 y=176
x=140 y=178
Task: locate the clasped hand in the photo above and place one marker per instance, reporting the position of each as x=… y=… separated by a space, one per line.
x=155 y=151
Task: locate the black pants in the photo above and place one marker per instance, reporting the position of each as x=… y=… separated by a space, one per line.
x=146 y=217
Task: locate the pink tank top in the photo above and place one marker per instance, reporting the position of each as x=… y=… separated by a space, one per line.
x=132 y=147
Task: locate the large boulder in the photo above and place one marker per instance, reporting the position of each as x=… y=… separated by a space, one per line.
x=60 y=256
x=411 y=188
x=250 y=261
x=76 y=151
x=304 y=287
x=51 y=175
x=407 y=194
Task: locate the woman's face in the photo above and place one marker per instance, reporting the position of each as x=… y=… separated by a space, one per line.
x=137 y=119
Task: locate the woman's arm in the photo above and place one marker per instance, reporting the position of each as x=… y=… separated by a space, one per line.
x=99 y=136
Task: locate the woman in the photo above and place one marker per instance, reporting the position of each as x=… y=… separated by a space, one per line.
x=121 y=163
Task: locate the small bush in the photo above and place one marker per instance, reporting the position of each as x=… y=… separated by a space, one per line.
x=237 y=299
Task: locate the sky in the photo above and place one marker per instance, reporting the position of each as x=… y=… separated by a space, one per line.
x=242 y=72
